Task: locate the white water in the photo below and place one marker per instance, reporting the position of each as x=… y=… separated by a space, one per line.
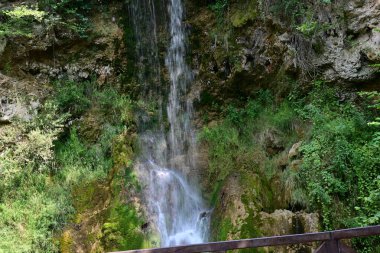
x=168 y=156
x=181 y=217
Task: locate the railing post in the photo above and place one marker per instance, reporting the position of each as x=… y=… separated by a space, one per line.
x=345 y=249
x=332 y=246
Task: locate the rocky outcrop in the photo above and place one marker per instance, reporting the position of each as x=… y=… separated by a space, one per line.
x=28 y=65
x=351 y=47
x=18 y=98
x=56 y=52
x=336 y=42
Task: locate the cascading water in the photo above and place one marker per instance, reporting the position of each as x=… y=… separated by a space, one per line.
x=168 y=155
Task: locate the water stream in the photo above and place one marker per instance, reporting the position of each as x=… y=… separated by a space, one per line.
x=168 y=154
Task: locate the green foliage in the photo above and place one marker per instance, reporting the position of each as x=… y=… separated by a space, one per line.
x=290 y=10
x=308 y=28
x=233 y=145
x=18 y=21
x=340 y=161
x=350 y=41
x=244 y=13
x=122 y=229
x=76 y=98
x=118 y=107
x=309 y=24
x=369 y=210
x=223 y=141
x=68 y=7
x=23 y=11
x=74 y=13
x=374 y=98
x=71 y=97
x=220 y=7
x=301 y=15
x=339 y=172
x=32 y=206
x=76 y=160
x=376 y=65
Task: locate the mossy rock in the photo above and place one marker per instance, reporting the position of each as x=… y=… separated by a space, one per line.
x=243 y=13
x=123 y=229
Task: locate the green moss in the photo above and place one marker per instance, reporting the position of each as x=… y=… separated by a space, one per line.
x=215 y=193
x=225 y=228
x=244 y=13
x=87 y=196
x=251 y=225
x=122 y=230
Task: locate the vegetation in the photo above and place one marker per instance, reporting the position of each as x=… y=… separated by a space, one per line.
x=32 y=203
x=231 y=140
x=18 y=21
x=74 y=13
x=340 y=165
x=338 y=176
x=219 y=7
x=42 y=166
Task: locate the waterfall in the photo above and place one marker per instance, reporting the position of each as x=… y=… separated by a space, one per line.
x=168 y=154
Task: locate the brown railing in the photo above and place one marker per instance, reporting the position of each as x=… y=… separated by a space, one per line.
x=330 y=242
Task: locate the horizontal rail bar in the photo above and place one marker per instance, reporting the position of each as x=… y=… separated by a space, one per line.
x=265 y=241
x=356 y=232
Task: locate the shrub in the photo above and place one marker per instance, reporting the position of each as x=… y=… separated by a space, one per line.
x=340 y=165
x=71 y=97
x=40 y=166
x=74 y=12
x=233 y=144
x=219 y=7
x=18 y=21
x=32 y=207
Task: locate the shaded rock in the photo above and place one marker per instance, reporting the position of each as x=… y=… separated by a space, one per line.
x=294 y=151
x=3 y=44
x=285 y=37
x=270 y=139
x=295 y=165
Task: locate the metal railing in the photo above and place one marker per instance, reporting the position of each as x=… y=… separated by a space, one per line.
x=331 y=242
